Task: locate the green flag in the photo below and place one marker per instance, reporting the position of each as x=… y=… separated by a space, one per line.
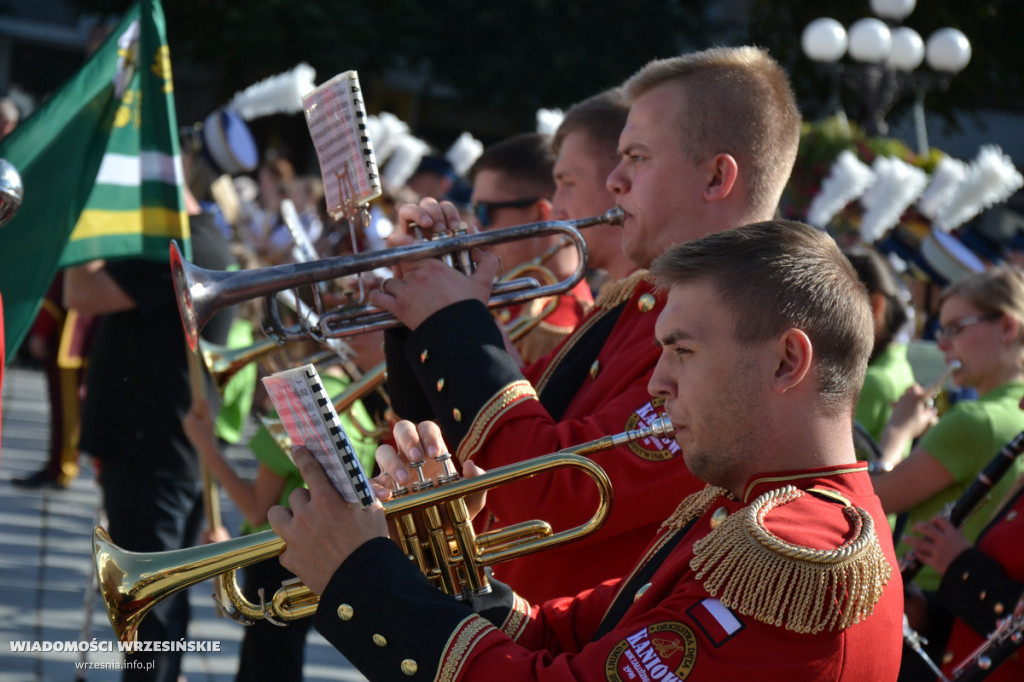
x=100 y=166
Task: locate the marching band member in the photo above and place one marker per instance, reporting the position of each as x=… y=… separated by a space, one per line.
x=512 y=185
x=889 y=372
x=782 y=568
x=586 y=147
x=674 y=185
x=981 y=326
x=137 y=392
x=980 y=584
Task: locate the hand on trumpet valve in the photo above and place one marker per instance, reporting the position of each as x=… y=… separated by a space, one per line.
x=428 y=285
x=420 y=460
x=321 y=529
x=413 y=459
x=430 y=216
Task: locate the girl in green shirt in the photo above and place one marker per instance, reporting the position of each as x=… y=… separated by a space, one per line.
x=982 y=326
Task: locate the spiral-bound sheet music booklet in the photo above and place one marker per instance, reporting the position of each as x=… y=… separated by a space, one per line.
x=308 y=415
x=336 y=116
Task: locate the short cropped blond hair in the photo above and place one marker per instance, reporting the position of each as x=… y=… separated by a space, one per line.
x=739 y=102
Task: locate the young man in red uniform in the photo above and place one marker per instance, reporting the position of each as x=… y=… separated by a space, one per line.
x=513 y=185
x=709 y=143
x=586 y=147
x=782 y=568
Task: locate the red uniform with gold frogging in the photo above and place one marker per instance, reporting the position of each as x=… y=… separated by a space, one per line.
x=683 y=613
x=593 y=385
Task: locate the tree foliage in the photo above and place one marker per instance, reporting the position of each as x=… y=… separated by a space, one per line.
x=515 y=56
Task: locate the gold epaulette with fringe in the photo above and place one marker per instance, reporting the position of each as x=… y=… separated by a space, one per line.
x=803 y=589
x=694 y=506
x=619 y=291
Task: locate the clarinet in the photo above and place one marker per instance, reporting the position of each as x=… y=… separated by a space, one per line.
x=961 y=510
x=999 y=646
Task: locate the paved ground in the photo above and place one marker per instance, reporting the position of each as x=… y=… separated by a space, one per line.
x=46 y=565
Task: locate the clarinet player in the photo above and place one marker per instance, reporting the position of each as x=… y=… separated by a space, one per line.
x=980 y=585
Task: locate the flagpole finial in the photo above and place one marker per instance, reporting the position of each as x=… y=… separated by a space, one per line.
x=11 y=191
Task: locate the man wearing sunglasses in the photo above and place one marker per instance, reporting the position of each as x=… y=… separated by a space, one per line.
x=513 y=185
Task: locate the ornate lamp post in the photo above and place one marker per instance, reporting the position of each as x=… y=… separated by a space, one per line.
x=886 y=56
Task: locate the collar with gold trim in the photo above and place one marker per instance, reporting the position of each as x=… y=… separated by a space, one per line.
x=769 y=481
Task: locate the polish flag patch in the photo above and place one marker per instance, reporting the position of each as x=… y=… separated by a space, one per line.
x=717 y=621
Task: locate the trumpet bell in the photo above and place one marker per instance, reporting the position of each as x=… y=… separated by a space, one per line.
x=132 y=583
x=183 y=288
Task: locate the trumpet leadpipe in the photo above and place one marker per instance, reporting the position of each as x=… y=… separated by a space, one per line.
x=202 y=293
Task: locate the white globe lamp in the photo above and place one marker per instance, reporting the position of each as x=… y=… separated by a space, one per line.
x=824 y=40
x=870 y=41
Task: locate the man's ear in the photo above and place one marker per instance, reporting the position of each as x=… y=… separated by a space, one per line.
x=543 y=210
x=724 y=171
x=794 y=355
x=877 y=301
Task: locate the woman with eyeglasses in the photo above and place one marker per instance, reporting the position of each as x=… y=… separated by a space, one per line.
x=982 y=327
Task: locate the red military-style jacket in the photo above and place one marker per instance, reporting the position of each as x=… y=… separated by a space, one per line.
x=983 y=585
x=569 y=309
x=709 y=600
x=593 y=385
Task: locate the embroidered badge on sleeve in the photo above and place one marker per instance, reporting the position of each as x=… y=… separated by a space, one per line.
x=666 y=652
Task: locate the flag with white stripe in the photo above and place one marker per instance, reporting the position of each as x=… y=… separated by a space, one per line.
x=718 y=622
x=101 y=169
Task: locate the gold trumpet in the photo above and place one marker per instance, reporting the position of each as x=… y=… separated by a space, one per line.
x=223 y=363
x=202 y=293
x=432 y=524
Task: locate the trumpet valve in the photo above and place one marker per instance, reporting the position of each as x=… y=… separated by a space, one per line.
x=423 y=483
x=465 y=263
x=450 y=475
x=399 y=490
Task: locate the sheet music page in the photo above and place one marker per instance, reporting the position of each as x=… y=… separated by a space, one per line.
x=336 y=117
x=308 y=416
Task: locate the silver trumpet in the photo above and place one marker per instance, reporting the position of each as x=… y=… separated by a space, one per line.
x=202 y=293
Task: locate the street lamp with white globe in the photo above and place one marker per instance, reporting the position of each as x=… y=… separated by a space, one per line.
x=885 y=59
